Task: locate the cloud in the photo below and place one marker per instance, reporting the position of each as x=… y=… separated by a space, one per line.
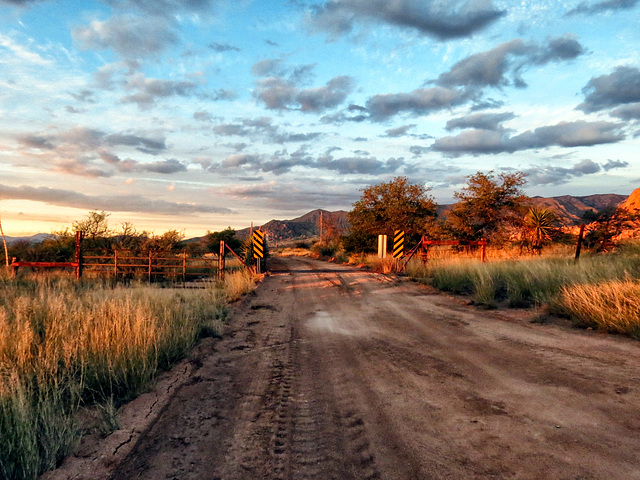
x=152 y=146
x=263 y=128
x=75 y=151
x=166 y=7
x=491 y=68
x=348 y=115
x=269 y=67
x=586 y=8
x=131 y=36
x=443 y=20
x=148 y=90
x=18 y=3
x=620 y=87
x=164 y=166
x=630 y=111
x=481 y=121
x=295 y=196
x=278 y=93
x=418 y=102
x=322 y=98
x=359 y=165
x=110 y=203
x=223 y=47
x=563 y=134
x=399 y=131
x=612 y=164
x=282 y=162
x=36 y=141
x=549 y=175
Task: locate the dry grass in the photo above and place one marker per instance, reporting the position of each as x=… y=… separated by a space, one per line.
x=591 y=292
x=64 y=344
x=610 y=307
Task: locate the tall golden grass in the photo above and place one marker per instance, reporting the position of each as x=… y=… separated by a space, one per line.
x=64 y=344
x=610 y=307
x=598 y=291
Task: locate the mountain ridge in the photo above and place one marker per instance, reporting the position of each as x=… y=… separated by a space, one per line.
x=568 y=208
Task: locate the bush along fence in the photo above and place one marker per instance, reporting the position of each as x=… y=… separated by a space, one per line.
x=150 y=264
x=403 y=257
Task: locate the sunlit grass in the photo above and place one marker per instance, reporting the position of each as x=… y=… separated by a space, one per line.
x=610 y=307
x=64 y=344
x=591 y=291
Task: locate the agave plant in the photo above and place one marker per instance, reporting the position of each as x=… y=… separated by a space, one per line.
x=540 y=224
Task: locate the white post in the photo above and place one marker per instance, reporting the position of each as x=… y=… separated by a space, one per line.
x=382 y=246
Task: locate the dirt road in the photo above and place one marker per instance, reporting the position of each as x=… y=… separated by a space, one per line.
x=331 y=372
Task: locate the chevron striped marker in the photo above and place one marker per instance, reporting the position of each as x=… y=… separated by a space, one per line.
x=258 y=243
x=398 y=244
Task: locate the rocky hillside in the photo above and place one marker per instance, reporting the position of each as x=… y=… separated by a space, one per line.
x=306 y=226
x=570 y=209
x=632 y=203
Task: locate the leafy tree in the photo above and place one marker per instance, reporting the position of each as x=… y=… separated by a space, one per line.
x=358 y=242
x=94 y=225
x=166 y=242
x=539 y=227
x=396 y=205
x=488 y=207
x=608 y=224
x=228 y=235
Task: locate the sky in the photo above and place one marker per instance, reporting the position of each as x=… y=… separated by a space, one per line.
x=196 y=115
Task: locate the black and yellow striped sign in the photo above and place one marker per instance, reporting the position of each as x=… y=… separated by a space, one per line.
x=258 y=243
x=398 y=244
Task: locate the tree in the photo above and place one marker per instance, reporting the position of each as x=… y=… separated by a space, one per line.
x=607 y=225
x=4 y=242
x=94 y=225
x=539 y=227
x=166 y=242
x=396 y=205
x=488 y=206
x=228 y=235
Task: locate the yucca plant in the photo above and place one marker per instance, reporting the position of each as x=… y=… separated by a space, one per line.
x=540 y=227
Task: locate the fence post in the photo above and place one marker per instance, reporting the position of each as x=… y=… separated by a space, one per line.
x=78 y=255
x=149 y=266
x=115 y=264
x=184 y=266
x=484 y=250
x=14 y=268
x=221 y=262
x=579 y=244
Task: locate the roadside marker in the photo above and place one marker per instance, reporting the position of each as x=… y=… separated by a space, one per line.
x=258 y=243
x=398 y=244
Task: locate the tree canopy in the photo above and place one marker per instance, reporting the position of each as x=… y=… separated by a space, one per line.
x=228 y=235
x=488 y=206
x=396 y=205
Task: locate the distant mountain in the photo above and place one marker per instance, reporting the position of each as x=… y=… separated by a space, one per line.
x=37 y=238
x=570 y=209
x=306 y=226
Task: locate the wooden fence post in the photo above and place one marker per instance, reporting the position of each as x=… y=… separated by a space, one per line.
x=149 y=266
x=579 y=244
x=184 y=266
x=221 y=262
x=78 y=255
x=115 y=264
x=484 y=250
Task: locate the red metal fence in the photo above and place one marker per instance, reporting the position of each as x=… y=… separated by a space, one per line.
x=150 y=265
